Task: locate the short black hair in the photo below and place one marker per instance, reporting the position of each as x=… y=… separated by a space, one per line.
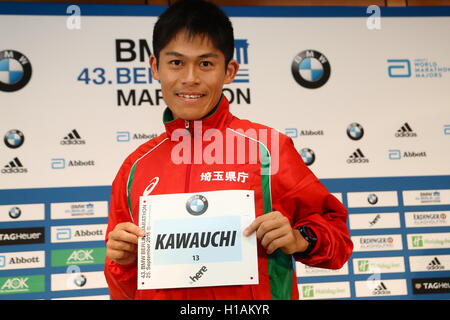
x=197 y=18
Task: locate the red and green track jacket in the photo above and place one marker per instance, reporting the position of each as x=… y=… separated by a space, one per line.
x=224 y=159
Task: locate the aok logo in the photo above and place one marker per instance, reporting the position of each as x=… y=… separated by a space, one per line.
x=198 y=275
x=82 y=255
x=15 y=284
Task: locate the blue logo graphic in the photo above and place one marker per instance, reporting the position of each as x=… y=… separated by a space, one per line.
x=372 y=198
x=15 y=70
x=15 y=212
x=2 y=261
x=291 y=132
x=197 y=205
x=447 y=129
x=308 y=156
x=355 y=131
x=63 y=234
x=58 y=163
x=11 y=71
x=123 y=136
x=399 y=68
x=241 y=56
x=14 y=139
x=395 y=154
x=311 y=69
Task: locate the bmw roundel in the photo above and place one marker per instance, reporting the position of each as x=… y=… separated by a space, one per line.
x=311 y=69
x=355 y=131
x=15 y=70
x=372 y=198
x=14 y=138
x=80 y=280
x=14 y=212
x=197 y=205
x=308 y=156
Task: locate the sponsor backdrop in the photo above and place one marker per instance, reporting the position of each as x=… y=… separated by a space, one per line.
x=364 y=97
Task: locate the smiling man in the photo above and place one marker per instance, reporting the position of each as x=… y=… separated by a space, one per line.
x=296 y=217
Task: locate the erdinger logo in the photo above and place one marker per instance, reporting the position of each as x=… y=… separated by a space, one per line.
x=15 y=70
x=355 y=131
x=308 y=156
x=197 y=205
x=14 y=139
x=310 y=69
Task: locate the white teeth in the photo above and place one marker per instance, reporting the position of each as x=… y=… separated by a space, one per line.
x=189 y=96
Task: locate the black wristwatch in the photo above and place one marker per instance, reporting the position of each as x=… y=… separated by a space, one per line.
x=309 y=236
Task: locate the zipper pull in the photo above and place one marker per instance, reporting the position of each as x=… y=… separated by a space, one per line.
x=186 y=125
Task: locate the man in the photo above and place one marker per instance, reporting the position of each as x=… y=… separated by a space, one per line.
x=295 y=215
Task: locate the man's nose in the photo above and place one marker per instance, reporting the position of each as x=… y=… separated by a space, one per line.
x=190 y=75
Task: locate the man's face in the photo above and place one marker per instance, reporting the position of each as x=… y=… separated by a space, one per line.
x=192 y=73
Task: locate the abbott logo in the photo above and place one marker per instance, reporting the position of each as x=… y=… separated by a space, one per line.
x=399 y=68
x=58 y=163
x=123 y=136
x=395 y=154
x=63 y=234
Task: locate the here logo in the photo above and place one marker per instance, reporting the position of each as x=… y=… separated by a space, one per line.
x=198 y=275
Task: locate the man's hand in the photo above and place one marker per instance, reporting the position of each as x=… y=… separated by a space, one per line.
x=122 y=243
x=274 y=231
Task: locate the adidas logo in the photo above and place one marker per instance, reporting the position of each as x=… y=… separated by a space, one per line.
x=435 y=265
x=381 y=290
x=14 y=166
x=73 y=137
x=405 y=131
x=357 y=157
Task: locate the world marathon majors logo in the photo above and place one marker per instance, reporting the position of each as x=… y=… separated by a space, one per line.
x=14 y=139
x=311 y=69
x=15 y=70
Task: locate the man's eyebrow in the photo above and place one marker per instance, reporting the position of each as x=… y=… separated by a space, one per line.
x=180 y=55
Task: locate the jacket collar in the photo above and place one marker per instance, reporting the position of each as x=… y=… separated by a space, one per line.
x=218 y=118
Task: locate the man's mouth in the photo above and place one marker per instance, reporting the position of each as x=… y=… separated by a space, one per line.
x=190 y=96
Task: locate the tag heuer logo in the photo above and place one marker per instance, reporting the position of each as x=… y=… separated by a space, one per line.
x=197 y=205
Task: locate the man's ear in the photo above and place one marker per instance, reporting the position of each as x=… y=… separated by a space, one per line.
x=154 y=67
x=231 y=71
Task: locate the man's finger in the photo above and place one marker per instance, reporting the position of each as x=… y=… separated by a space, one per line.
x=254 y=225
x=132 y=228
x=121 y=245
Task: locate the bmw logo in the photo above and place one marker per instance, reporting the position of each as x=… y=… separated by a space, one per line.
x=310 y=69
x=197 y=205
x=15 y=70
x=15 y=212
x=80 y=281
x=14 y=139
x=372 y=198
x=355 y=131
x=308 y=156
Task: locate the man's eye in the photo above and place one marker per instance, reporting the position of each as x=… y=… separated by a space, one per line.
x=175 y=62
x=206 y=64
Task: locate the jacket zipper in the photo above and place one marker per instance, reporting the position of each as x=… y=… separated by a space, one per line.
x=188 y=169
